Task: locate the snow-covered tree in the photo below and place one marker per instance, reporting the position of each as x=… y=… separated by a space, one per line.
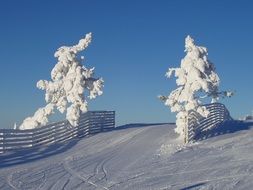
x=196 y=79
x=65 y=92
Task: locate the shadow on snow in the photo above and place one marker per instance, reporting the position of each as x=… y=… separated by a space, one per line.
x=193 y=186
x=25 y=155
x=137 y=125
x=224 y=128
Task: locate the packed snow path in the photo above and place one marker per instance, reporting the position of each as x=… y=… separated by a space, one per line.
x=135 y=157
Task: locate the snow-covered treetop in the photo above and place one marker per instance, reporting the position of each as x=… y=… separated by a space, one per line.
x=195 y=77
x=66 y=90
x=196 y=74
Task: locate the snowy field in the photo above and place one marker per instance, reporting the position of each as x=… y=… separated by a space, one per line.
x=135 y=157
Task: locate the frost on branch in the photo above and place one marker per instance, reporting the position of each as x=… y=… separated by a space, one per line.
x=65 y=91
x=196 y=78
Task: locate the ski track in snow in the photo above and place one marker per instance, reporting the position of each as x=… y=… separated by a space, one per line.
x=9 y=179
x=127 y=159
x=81 y=177
x=38 y=176
x=99 y=168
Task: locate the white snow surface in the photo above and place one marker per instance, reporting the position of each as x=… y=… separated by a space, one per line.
x=136 y=158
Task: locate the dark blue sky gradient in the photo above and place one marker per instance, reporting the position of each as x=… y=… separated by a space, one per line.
x=134 y=43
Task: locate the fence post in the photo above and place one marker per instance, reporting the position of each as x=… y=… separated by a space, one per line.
x=32 y=138
x=88 y=123
x=3 y=142
x=114 y=115
x=186 y=130
x=102 y=121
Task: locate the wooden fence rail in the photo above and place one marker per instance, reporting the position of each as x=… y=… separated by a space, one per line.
x=89 y=123
x=197 y=123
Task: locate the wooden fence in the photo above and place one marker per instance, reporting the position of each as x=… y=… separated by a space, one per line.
x=89 y=123
x=197 y=123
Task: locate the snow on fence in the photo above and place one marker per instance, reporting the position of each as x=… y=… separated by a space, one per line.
x=197 y=123
x=89 y=123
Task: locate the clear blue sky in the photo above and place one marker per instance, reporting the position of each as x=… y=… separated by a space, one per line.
x=134 y=43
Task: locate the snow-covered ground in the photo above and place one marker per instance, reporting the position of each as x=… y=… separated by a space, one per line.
x=134 y=157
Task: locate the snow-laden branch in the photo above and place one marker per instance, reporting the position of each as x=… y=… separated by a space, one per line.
x=65 y=91
x=195 y=75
